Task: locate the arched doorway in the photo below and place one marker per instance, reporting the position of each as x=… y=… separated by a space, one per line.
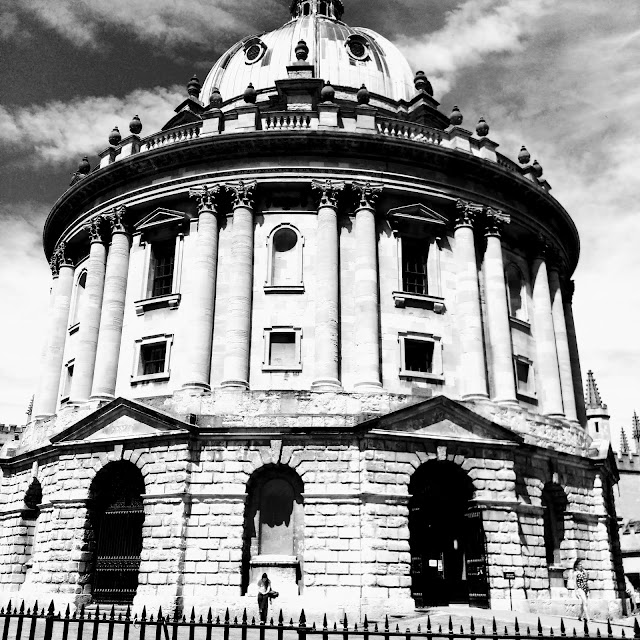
x=273 y=528
x=116 y=515
x=448 y=550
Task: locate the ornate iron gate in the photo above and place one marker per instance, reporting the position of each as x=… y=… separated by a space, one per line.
x=476 y=560
x=118 y=527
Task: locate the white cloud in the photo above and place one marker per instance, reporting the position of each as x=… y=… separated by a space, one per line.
x=22 y=268
x=472 y=31
x=58 y=132
x=168 y=22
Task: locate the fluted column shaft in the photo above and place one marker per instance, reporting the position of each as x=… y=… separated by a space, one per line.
x=576 y=371
x=112 y=315
x=200 y=337
x=504 y=388
x=327 y=349
x=472 y=372
x=238 y=343
x=548 y=379
x=562 y=346
x=49 y=384
x=90 y=316
x=367 y=297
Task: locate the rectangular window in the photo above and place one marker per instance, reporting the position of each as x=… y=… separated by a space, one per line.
x=67 y=380
x=163 y=259
x=524 y=377
x=415 y=254
x=152 y=358
x=282 y=349
x=418 y=356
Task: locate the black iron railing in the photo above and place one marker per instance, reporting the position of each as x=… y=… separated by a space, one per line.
x=36 y=624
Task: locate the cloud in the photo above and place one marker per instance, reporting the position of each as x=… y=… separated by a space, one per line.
x=166 y=22
x=472 y=31
x=22 y=268
x=58 y=132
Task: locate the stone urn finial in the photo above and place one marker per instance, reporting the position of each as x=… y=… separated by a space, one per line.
x=524 y=156
x=115 y=137
x=422 y=83
x=482 y=128
x=327 y=93
x=363 y=95
x=135 y=126
x=302 y=51
x=456 y=117
x=215 y=99
x=84 y=167
x=537 y=169
x=250 y=94
x=194 y=86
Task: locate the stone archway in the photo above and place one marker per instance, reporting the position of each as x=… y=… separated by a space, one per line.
x=116 y=515
x=446 y=537
x=273 y=529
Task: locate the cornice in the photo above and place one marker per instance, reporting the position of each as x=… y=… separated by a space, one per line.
x=279 y=145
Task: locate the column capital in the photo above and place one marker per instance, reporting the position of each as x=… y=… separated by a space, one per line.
x=60 y=258
x=328 y=191
x=116 y=219
x=94 y=228
x=242 y=193
x=205 y=197
x=467 y=213
x=569 y=290
x=368 y=193
x=495 y=219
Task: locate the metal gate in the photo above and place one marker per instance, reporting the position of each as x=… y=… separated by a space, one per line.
x=476 y=560
x=118 y=526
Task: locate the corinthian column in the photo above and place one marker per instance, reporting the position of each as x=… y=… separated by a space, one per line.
x=367 y=297
x=548 y=380
x=112 y=317
x=238 y=344
x=200 y=337
x=57 y=329
x=504 y=388
x=576 y=372
x=90 y=315
x=472 y=371
x=328 y=288
x=562 y=345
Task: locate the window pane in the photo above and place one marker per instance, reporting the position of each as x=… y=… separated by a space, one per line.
x=418 y=356
x=282 y=350
x=153 y=357
x=522 y=374
x=515 y=285
x=414 y=266
x=284 y=257
x=164 y=256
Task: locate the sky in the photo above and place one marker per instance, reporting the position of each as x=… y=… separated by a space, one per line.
x=560 y=76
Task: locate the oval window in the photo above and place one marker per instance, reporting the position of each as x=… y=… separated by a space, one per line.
x=254 y=51
x=358 y=48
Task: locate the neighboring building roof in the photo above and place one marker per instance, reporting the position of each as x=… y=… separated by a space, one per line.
x=592 y=395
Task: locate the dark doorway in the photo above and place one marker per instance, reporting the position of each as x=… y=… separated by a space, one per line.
x=116 y=515
x=448 y=550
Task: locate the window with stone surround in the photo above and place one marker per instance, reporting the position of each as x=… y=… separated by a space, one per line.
x=152 y=358
x=67 y=379
x=284 y=264
x=30 y=514
x=517 y=293
x=282 y=349
x=78 y=301
x=525 y=386
x=420 y=356
x=162 y=237
x=554 y=503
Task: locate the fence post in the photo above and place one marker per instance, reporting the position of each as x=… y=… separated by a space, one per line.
x=7 y=622
x=280 y=626
x=226 y=625
x=65 y=624
x=345 y=628
x=34 y=621
x=48 y=625
x=636 y=628
x=386 y=627
x=302 y=626
x=586 y=629
x=365 y=627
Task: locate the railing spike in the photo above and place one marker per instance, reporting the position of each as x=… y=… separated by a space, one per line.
x=598 y=634
x=506 y=631
x=244 y=616
x=539 y=627
x=253 y=620
x=494 y=627
x=461 y=630
x=144 y=613
x=335 y=626
x=636 y=628
x=375 y=627
x=303 y=619
x=151 y=618
x=345 y=624
x=386 y=623
x=551 y=632
x=366 y=623
x=397 y=628
x=440 y=629
x=67 y=613
x=235 y=619
x=563 y=630
x=193 y=615
x=575 y=633
x=610 y=630
x=270 y=621
x=52 y=608
x=623 y=634
x=313 y=626
x=586 y=628
x=484 y=633
x=450 y=625
x=210 y=616
x=291 y=622
x=419 y=629
x=280 y=618
x=472 y=626
x=428 y=624
x=22 y=607
x=226 y=616
x=9 y=607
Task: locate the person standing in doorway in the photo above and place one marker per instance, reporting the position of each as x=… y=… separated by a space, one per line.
x=582 y=590
x=264 y=594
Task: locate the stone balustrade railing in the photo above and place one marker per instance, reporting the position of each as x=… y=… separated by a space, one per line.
x=222 y=124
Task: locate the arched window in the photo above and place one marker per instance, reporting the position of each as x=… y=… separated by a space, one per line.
x=307 y=9
x=323 y=9
x=554 y=503
x=81 y=286
x=284 y=271
x=517 y=293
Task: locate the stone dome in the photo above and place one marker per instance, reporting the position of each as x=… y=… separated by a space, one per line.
x=340 y=54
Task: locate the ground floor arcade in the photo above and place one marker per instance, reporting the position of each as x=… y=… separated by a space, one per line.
x=429 y=505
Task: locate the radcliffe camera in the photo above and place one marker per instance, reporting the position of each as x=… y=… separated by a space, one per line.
x=309 y=360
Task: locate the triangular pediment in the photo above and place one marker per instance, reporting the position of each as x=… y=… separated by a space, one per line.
x=185 y=115
x=121 y=420
x=443 y=419
x=416 y=213
x=159 y=218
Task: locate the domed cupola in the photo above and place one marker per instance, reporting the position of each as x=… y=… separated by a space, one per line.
x=344 y=56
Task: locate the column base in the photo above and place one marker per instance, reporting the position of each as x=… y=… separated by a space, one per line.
x=475 y=396
x=368 y=387
x=510 y=402
x=43 y=417
x=326 y=385
x=235 y=384
x=102 y=397
x=554 y=416
x=197 y=387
